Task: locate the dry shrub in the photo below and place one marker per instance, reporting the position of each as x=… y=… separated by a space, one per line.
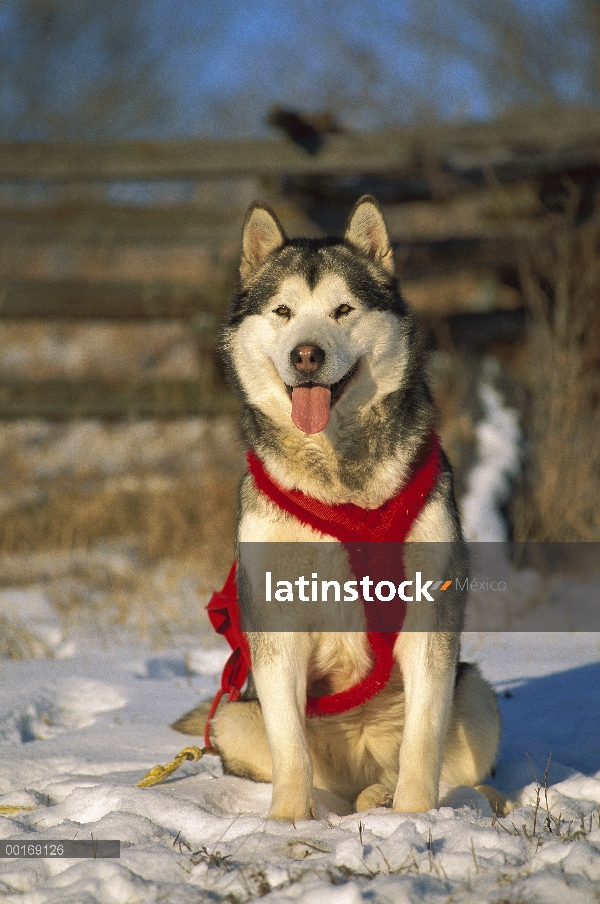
x=561 y=287
x=169 y=489
x=18 y=642
x=192 y=516
x=117 y=596
x=130 y=554
x=453 y=382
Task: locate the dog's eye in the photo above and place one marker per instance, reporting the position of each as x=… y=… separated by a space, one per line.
x=342 y=311
x=283 y=311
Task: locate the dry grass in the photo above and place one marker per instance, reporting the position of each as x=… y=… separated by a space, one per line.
x=17 y=642
x=192 y=517
x=172 y=486
x=558 y=499
x=123 y=527
x=553 y=378
x=138 y=563
x=454 y=389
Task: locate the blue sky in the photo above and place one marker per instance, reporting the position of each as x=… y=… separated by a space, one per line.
x=162 y=68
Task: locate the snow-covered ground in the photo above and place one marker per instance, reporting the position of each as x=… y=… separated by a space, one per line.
x=78 y=730
x=114 y=648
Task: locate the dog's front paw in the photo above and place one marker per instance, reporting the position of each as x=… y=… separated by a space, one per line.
x=414 y=800
x=288 y=808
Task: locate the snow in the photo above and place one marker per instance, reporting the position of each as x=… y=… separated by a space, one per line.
x=498 y=437
x=77 y=733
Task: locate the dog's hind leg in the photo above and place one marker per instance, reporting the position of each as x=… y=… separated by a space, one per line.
x=238 y=733
x=473 y=736
x=373 y=796
x=193 y=722
x=474 y=730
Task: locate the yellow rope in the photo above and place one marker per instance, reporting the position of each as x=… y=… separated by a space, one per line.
x=159 y=773
x=10 y=811
x=156 y=775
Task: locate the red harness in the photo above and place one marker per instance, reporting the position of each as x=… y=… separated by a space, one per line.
x=349 y=524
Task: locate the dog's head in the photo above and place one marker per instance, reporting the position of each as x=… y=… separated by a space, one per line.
x=319 y=325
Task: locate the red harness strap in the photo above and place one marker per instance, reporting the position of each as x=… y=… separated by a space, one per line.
x=349 y=524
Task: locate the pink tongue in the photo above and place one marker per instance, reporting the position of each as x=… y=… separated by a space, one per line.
x=310 y=408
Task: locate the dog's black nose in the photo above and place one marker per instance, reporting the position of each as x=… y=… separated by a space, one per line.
x=307 y=358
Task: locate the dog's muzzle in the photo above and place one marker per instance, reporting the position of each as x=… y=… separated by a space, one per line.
x=312 y=402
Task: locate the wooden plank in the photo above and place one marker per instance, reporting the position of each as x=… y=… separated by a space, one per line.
x=437 y=258
x=41 y=299
x=61 y=161
x=444 y=176
x=66 y=399
x=109 y=224
x=475 y=331
x=518 y=135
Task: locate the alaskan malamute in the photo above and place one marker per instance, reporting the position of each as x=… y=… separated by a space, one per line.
x=329 y=365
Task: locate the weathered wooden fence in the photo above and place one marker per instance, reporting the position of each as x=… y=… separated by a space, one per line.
x=460 y=201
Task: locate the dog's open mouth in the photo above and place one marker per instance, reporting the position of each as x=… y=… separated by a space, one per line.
x=312 y=402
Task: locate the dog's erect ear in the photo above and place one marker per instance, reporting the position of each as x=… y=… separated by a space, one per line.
x=262 y=234
x=366 y=232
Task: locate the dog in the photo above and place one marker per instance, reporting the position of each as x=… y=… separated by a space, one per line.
x=329 y=364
